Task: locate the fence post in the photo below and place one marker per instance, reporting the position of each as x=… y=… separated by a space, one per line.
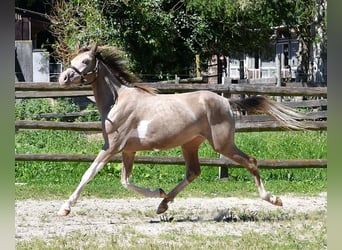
x=278 y=72
x=213 y=70
x=176 y=79
x=198 y=71
x=223 y=170
x=222 y=73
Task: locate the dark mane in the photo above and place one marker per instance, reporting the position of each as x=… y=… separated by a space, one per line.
x=116 y=62
x=114 y=59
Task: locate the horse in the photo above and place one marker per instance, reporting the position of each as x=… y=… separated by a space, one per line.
x=136 y=118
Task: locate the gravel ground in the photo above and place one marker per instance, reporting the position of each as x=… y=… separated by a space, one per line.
x=38 y=218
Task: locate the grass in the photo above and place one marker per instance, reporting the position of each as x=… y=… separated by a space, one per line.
x=58 y=179
x=247 y=241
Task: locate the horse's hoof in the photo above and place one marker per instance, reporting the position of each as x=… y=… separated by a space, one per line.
x=275 y=200
x=162 y=207
x=278 y=202
x=63 y=212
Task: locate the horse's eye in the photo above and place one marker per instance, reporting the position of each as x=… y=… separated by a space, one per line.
x=85 y=61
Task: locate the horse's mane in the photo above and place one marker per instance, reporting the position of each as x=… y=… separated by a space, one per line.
x=117 y=64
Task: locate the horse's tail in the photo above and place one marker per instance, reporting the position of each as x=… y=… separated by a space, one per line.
x=286 y=116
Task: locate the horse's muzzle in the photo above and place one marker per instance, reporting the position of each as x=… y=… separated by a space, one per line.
x=69 y=77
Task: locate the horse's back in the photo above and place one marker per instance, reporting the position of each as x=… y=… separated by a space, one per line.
x=168 y=120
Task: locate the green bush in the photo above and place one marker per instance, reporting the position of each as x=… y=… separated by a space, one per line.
x=35 y=109
x=29 y=109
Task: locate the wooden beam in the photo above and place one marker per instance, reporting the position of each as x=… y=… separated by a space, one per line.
x=264 y=118
x=265 y=126
x=314 y=115
x=96 y=126
x=307 y=103
x=51 y=94
x=242 y=89
x=73 y=126
x=214 y=162
x=47 y=86
x=187 y=87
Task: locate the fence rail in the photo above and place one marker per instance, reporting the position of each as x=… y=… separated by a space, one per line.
x=213 y=162
x=243 y=123
x=44 y=90
x=96 y=126
x=321 y=103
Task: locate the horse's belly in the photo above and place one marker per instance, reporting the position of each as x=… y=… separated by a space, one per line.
x=148 y=136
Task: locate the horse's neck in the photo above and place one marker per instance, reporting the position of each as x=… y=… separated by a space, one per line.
x=105 y=88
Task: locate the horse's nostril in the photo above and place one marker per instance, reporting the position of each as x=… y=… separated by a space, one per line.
x=66 y=78
x=63 y=78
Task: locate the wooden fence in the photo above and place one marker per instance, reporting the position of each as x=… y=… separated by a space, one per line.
x=243 y=124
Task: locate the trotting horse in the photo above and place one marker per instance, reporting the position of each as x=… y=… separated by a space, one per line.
x=138 y=118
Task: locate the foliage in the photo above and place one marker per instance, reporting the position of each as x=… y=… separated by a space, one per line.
x=311 y=26
x=28 y=109
x=234 y=26
x=91 y=115
x=162 y=37
x=31 y=109
x=151 y=33
x=53 y=110
x=76 y=23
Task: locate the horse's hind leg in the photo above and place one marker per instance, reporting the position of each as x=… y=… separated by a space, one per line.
x=127 y=160
x=190 y=154
x=250 y=163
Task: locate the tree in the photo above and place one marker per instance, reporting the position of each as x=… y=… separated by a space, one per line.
x=157 y=35
x=146 y=30
x=246 y=26
x=78 y=23
x=162 y=36
x=311 y=27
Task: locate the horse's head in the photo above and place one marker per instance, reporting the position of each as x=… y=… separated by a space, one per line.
x=82 y=70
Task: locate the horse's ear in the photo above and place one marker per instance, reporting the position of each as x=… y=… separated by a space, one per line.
x=78 y=45
x=93 y=49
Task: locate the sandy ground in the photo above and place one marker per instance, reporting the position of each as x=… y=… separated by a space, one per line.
x=39 y=219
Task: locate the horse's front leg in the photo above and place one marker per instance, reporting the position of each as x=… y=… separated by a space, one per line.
x=101 y=159
x=127 y=161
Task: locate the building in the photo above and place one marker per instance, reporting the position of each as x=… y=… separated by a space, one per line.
x=285 y=45
x=284 y=60
x=33 y=48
